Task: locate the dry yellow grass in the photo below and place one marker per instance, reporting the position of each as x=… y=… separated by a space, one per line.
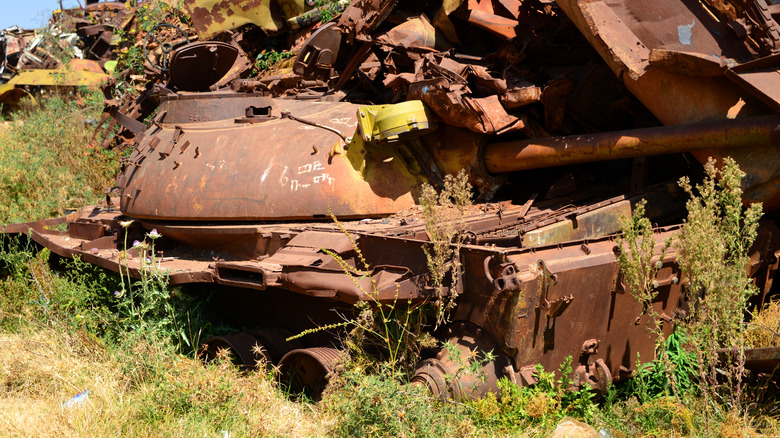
x=764 y=329
x=41 y=369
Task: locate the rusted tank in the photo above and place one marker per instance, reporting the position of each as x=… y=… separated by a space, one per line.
x=563 y=115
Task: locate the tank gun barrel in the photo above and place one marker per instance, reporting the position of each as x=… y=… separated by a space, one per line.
x=511 y=156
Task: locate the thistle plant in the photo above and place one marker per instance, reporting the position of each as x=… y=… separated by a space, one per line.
x=146 y=303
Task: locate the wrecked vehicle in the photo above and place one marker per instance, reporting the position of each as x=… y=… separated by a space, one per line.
x=563 y=115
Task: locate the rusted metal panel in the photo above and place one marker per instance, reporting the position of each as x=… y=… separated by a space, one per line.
x=762 y=360
x=557 y=298
x=361 y=18
x=210 y=17
x=319 y=55
x=214 y=58
x=625 y=33
x=600 y=222
x=278 y=168
x=761 y=78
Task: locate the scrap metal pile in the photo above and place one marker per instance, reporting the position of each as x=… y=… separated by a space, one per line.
x=562 y=114
x=79 y=47
x=71 y=51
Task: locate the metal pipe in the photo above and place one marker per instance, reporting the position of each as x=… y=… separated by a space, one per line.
x=537 y=153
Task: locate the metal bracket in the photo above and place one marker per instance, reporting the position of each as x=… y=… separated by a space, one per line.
x=507 y=278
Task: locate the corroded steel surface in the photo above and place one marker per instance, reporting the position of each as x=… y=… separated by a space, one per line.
x=210 y=17
x=749 y=133
x=239 y=165
x=627 y=34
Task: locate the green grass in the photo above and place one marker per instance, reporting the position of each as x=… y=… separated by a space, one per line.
x=47 y=169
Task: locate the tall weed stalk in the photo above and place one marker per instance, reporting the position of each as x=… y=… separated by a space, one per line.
x=444 y=215
x=712 y=250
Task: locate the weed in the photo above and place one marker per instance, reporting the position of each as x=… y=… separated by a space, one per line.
x=394 y=329
x=147 y=307
x=151 y=13
x=469 y=366
x=377 y=405
x=537 y=407
x=675 y=371
x=444 y=215
x=328 y=9
x=712 y=248
x=712 y=251
x=764 y=328
x=637 y=258
x=397 y=328
x=639 y=264
x=48 y=167
x=148 y=15
x=268 y=59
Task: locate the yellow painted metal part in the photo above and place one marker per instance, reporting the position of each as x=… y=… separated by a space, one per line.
x=85 y=65
x=59 y=77
x=210 y=17
x=377 y=123
x=597 y=223
x=10 y=96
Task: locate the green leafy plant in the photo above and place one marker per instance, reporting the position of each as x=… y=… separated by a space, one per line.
x=394 y=328
x=48 y=166
x=267 y=59
x=147 y=305
x=639 y=262
x=540 y=406
x=712 y=250
x=148 y=14
x=328 y=9
x=674 y=371
x=379 y=405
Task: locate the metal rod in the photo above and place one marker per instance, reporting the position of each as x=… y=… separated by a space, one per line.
x=286 y=115
x=537 y=153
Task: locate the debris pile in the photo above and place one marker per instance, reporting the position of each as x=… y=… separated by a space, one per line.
x=494 y=67
x=85 y=46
